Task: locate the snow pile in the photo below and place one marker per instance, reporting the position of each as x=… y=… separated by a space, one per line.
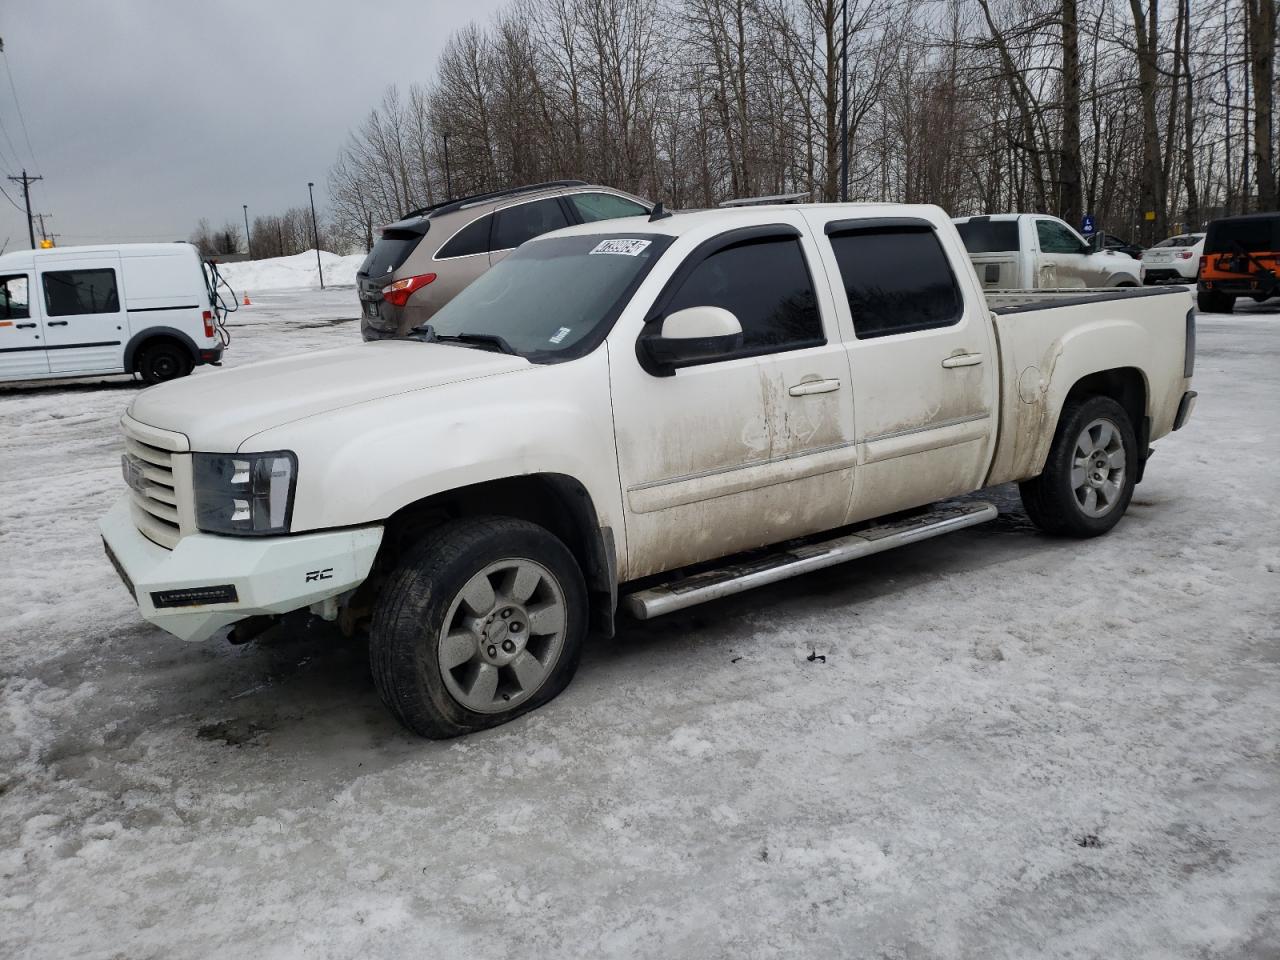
x=288 y=273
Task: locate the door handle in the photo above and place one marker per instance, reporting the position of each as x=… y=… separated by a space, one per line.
x=809 y=387
x=962 y=360
x=56 y=323
x=23 y=326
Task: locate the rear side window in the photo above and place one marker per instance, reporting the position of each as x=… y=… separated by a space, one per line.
x=766 y=285
x=14 y=304
x=897 y=280
x=525 y=221
x=68 y=293
x=1055 y=238
x=390 y=252
x=1255 y=235
x=989 y=236
x=604 y=206
x=470 y=240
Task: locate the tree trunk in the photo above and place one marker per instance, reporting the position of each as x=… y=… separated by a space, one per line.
x=1262 y=51
x=1069 y=199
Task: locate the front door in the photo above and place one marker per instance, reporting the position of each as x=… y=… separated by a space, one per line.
x=22 y=352
x=84 y=318
x=748 y=450
x=1064 y=255
x=922 y=359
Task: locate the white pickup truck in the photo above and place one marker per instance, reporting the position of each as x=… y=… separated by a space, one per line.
x=1011 y=251
x=642 y=414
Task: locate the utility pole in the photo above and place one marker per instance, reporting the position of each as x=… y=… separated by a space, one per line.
x=42 y=217
x=248 y=238
x=26 y=194
x=315 y=231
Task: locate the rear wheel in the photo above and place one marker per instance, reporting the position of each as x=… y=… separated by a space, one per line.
x=1089 y=476
x=163 y=361
x=483 y=622
x=1214 y=302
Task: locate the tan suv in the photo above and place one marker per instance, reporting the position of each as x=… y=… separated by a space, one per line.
x=422 y=262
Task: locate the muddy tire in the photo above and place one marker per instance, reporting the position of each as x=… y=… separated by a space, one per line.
x=1089 y=476
x=163 y=361
x=482 y=622
x=1214 y=302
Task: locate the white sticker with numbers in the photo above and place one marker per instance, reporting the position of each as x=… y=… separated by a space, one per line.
x=627 y=248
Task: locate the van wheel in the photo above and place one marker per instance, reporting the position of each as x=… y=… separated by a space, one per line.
x=1089 y=476
x=163 y=361
x=1215 y=302
x=482 y=622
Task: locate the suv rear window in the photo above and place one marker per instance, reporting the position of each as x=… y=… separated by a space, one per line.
x=391 y=250
x=1254 y=235
x=989 y=236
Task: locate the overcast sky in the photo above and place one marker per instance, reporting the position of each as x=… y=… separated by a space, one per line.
x=146 y=115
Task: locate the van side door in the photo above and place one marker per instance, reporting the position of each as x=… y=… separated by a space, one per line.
x=84 y=317
x=922 y=358
x=22 y=352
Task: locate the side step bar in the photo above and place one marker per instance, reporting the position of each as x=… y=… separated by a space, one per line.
x=738 y=577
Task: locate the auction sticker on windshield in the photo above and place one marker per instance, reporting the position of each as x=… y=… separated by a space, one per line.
x=627 y=248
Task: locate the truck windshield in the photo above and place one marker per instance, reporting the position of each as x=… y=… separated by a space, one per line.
x=554 y=298
x=989 y=236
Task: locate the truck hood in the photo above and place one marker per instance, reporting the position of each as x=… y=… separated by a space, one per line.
x=219 y=410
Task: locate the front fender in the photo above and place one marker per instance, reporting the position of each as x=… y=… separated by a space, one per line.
x=362 y=463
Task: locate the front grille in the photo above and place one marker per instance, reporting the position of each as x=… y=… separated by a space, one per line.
x=155 y=496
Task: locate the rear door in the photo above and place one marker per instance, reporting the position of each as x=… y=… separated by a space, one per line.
x=592 y=206
x=22 y=352
x=84 y=317
x=922 y=359
x=515 y=224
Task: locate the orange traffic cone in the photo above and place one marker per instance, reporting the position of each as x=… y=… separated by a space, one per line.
x=246 y=301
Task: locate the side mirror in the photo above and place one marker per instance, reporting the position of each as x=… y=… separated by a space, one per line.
x=690 y=336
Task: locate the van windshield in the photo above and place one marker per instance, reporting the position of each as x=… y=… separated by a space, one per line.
x=989 y=236
x=554 y=298
x=1251 y=234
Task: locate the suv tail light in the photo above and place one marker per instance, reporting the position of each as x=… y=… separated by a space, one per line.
x=207 y=317
x=398 y=293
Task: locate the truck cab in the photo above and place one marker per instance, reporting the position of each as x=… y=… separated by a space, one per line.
x=91 y=311
x=1028 y=251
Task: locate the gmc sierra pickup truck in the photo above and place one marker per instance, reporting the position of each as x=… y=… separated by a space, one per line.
x=637 y=415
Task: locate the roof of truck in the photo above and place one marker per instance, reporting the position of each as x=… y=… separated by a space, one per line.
x=19 y=259
x=727 y=218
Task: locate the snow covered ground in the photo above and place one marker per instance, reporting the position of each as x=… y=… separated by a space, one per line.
x=289 y=273
x=1016 y=747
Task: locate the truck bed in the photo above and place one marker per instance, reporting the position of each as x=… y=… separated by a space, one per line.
x=1020 y=301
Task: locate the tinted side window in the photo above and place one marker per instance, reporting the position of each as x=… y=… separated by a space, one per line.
x=897 y=280
x=1055 y=238
x=527 y=220
x=13 y=298
x=766 y=285
x=604 y=206
x=470 y=240
x=71 y=292
x=989 y=236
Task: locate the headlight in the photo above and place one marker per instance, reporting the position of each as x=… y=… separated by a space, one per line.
x=249 y=494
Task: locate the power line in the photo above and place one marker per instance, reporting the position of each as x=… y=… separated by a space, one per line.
x=15 y=203
x=21 y=119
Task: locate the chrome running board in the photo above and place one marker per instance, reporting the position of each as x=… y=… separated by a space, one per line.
x=738 y=577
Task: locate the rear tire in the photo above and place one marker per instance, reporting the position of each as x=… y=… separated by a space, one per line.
x=163 y=361
x=483 y=622
x=1090 y=473
x=1214 y=302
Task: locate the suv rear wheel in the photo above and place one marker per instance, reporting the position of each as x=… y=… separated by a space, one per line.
x=483 y=622
x=1090 y=473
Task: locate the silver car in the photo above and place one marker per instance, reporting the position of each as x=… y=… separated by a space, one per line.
x=423 y=261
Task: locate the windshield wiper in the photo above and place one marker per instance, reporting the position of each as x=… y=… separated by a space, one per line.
x=485 y=341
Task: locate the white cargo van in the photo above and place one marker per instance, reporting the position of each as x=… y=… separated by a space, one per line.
x=145 y=308
x=1034 y=251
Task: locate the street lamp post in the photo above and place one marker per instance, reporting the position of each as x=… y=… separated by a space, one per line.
x=315 y=231
x=844 y=102
x=248 y=238
x=448 y=180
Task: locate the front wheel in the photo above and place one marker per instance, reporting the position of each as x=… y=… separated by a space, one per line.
x=1090 y=473
x=483 y=622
